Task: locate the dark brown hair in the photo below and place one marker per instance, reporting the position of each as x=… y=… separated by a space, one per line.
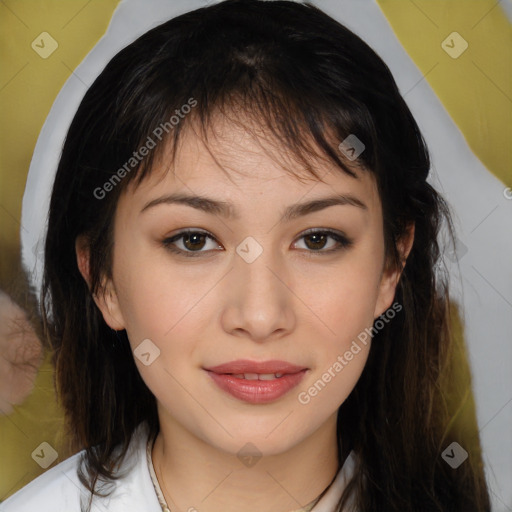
x=296 y=71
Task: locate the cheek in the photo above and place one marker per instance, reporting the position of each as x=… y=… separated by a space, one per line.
x=158 y=322
x=160 y=302
x=345 y=316
x=152 y=293
x=343 y=297
x=344 y=306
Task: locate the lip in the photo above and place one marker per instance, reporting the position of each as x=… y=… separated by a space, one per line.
x=247 y=366
x=256 y=391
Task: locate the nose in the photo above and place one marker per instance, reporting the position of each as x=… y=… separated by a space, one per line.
x=258 y=299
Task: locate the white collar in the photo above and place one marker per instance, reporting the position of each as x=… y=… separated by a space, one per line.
x=59 y=489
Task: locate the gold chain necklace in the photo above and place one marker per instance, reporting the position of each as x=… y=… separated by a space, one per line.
x=166 y=508
x=152 y=473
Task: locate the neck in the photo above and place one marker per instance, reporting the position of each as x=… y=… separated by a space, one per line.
x=195 y=476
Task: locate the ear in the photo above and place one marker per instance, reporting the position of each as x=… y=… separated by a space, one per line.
x=106 y=298
x=391 y=276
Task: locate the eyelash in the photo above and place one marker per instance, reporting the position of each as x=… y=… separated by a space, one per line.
x=343 y=241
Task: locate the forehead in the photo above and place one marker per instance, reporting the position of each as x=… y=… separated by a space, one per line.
x=239 y=160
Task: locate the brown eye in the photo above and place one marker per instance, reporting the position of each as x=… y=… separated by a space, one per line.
x=192 y=242
x=317 y=240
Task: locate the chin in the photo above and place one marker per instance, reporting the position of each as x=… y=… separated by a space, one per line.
x=268 y=438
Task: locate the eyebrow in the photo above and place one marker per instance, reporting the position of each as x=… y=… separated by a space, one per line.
x=225 y=209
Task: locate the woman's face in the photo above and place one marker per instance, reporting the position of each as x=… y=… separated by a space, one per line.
x=258 y=290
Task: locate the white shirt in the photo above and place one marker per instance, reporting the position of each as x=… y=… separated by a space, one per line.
x=59 y=490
